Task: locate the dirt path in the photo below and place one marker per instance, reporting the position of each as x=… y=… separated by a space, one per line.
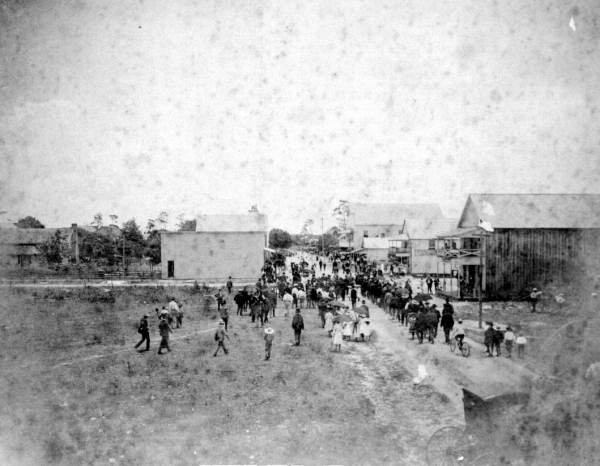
x=448 y=372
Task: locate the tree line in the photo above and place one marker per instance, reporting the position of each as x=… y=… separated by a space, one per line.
x=108 y=244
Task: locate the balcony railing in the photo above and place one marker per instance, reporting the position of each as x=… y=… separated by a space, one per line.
x=392 y=252
x=447 y=253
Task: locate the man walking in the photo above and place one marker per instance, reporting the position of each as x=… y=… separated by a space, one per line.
x=224 y=313
x=269 y=337
x=353 y=297
x=229 y=285
x=298 y=326
x=220 y=336
x=144 y=332
x=164 y=329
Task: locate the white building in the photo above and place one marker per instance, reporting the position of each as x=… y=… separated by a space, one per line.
x=221 y=246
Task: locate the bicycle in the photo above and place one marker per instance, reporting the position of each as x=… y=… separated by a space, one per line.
x=465 y=350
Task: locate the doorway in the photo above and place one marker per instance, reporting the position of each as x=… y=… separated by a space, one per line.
x=170 y=269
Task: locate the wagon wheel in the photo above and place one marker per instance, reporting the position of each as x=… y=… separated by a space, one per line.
x=449 y=446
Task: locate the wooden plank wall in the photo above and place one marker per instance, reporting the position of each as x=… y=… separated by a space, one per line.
x=518 y=260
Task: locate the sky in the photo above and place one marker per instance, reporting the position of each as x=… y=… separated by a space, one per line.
x=201 y=107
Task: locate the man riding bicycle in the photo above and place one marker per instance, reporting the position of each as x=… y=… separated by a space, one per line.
x=459 y=333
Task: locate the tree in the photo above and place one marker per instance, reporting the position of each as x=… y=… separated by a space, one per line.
x=150 y=227
x=29 y=222
x=97 y=222
x=329 y=241
x=341 y=213
x=279 y=239
x=162 y=220
x=52 y=249
x=113 y=219
x=306 y=227
x=152 y=249
x=134 y=240
x=187 y=225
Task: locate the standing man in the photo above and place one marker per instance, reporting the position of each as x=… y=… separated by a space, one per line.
x=353 y=296
x=298 y=326
x=220 y=336
x=144 y=332
x=164 y=329
x=220 y=299
x=224 y=313
x=229 y=285
x=173 y=312
x=534 y=296
x=269 y=337
x=180 y=316
x=429 y=282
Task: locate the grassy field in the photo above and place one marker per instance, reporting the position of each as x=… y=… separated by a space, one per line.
x=64 y=404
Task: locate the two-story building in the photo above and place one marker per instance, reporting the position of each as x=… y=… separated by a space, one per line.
x=537 y=239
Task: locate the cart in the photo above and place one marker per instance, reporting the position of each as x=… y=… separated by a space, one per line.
x=481 y=441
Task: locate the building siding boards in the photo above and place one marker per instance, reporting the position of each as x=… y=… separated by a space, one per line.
x=213 y=256
x=519 y=259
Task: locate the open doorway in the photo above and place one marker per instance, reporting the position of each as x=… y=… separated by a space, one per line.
x=170 y=269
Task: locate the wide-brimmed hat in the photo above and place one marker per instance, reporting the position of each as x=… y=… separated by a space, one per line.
x=269 y=331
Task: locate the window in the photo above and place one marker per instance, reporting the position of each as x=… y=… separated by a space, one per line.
x=382 y=235
x=431 y=244
x=366 y=234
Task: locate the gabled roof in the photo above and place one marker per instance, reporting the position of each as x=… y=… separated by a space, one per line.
x=571 y=211
x=31 y=236
x=232 y=223
x=391 y=214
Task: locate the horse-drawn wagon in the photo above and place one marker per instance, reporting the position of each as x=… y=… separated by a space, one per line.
x=485 y=440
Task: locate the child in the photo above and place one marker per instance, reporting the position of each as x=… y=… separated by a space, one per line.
x=488 y=339
x=336 y=336
x=521 y=342
x=220 y=336
x=509 y=338
x=269 y=337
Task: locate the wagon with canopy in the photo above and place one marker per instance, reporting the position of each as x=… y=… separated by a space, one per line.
x=484 y=440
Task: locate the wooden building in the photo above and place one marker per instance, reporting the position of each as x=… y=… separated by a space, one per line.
x=537 y=239
x=221 y=246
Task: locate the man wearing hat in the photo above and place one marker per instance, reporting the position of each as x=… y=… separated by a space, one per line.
x=298 y=326
x=164 y=329
x=534 y=296
x=220 y=336
x=144 y=332
x=269 y=337
x=224 y=313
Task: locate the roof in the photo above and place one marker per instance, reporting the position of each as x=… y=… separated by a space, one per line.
x=569 y=211
x=232 y=223
x=391 y=214
x=461 y=233
x=429 y=228
x=30 y=235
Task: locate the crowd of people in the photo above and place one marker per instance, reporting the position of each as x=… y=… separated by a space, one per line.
x=339 y=298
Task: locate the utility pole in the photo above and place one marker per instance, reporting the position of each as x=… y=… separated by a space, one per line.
x=322 y=239
x=481 y=277
x=123 y=255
